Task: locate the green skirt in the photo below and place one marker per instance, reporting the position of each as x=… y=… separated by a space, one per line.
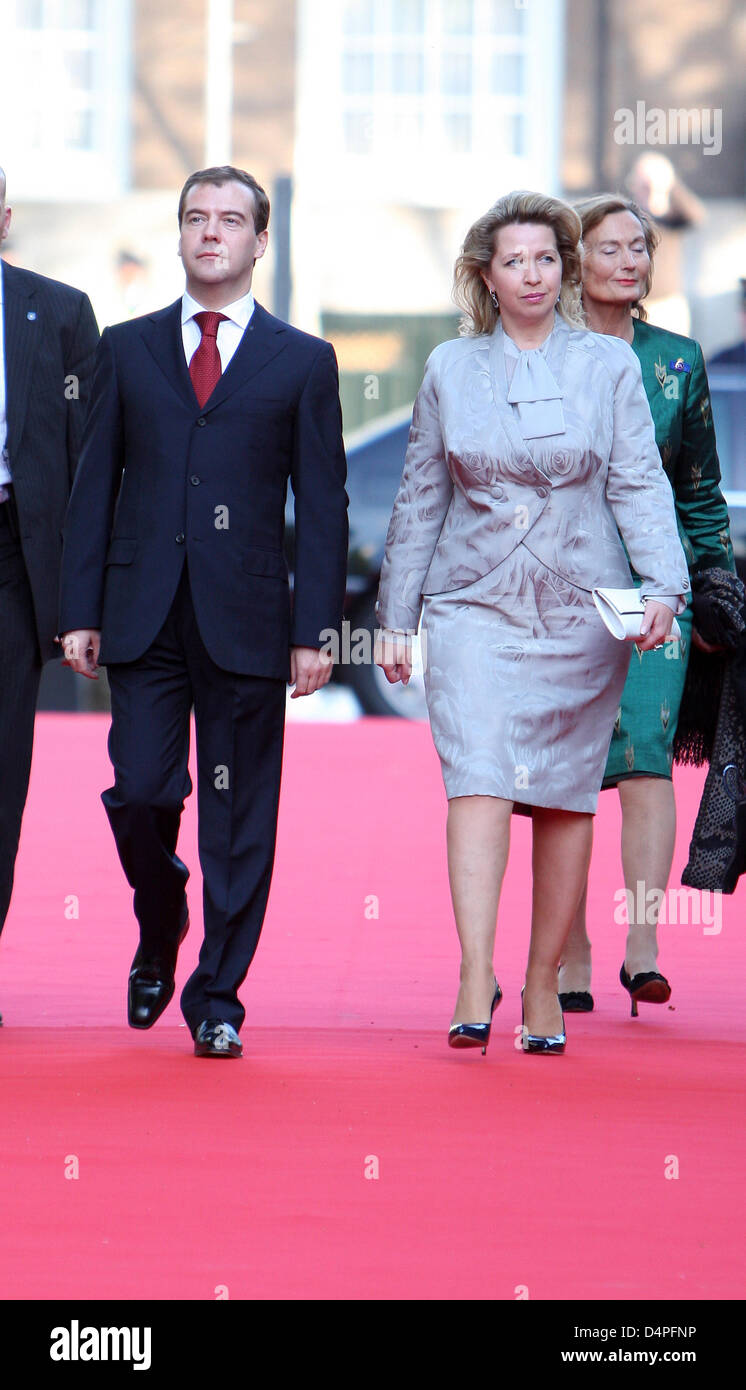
x=642 y=741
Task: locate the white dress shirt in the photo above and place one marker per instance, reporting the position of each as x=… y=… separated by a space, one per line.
x=230 y=333
x=4 y=465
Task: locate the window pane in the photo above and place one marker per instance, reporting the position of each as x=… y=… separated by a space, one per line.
x=507 y=76
x=457 y=134
x=503 y=132
x=359 y=17
x=78 y=130
x=408 y=16
x=357 y=72
x=358 y=132
x=34 y=49
x=507 y=132
x=458 y=16
x=407 y=129
x=456 y=73
x=78 y=14
x=407 y=72
x=32 y=130
x=79 y=68
x=506 y=17
x=29 y=14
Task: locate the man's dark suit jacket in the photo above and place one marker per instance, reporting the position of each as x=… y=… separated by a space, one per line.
x=50 y=338
x=161 y=479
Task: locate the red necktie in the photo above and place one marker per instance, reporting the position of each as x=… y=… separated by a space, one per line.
x=205 y=368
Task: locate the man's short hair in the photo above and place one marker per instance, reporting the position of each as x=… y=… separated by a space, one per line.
x=225 y=173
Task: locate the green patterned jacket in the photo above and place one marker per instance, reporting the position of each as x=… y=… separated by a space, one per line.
x=675 y=381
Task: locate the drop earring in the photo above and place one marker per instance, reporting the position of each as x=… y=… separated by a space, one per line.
x=494 y=299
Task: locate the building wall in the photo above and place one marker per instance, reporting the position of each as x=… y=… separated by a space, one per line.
x=264 y=87
x=691 y=54
x=168 y=86
x=687 y=56
x=122 y=247
x=374 y=247
x=168 y=95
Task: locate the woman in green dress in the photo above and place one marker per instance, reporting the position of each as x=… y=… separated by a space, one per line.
x=619 y=242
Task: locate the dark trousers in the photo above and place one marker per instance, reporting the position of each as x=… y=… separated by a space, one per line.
x=20 y=671
x=239 y=722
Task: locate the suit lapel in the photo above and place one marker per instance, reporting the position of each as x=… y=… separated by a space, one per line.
x=162 y=336
x=263 y=338
x=23 y=322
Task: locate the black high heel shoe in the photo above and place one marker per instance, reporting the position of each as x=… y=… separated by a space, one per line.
x=474 y=1034
x=535 y=1042
x=577 y=1001
x=646 y=988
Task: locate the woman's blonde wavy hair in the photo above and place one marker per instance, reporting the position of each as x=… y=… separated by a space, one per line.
x=592 y=212
x=469 y=290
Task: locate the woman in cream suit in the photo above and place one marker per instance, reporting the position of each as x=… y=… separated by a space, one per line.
x=531 y=447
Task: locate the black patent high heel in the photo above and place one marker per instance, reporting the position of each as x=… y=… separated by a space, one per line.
x=554 y=1044
x=646 y=988
x=474 y=1034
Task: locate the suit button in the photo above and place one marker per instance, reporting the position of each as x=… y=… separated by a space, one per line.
x=180 y=538
x=194 y=480
x=201 y=421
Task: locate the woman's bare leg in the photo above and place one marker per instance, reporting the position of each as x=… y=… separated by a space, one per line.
x=478 y=834
x=575 y=970
x=561 y=855
x=648 y=839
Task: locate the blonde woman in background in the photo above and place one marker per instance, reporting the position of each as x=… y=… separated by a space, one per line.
x=531 y=447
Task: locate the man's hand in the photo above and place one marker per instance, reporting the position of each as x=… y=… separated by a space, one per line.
x=309 y=670
x=80 y=650
x=656 y=625
x=394 y=656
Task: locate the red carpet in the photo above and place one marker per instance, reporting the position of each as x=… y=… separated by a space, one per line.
x=495 y=1175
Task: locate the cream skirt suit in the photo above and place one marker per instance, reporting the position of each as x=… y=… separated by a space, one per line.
x=521 y=471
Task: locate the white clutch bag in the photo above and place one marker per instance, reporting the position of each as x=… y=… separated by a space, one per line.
x=622 y=611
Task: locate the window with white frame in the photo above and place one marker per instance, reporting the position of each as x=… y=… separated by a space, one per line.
x=415 y=94
x=433 y=74
x=66 y=86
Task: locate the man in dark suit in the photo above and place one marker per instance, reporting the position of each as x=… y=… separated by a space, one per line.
x=174 y=577
x=48 y=338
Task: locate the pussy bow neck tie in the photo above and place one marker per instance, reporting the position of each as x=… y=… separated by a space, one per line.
x=535 y=394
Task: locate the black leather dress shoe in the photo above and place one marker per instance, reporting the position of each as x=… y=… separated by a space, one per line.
x=214 y=1038
x=149 y=992
x=151 y=984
